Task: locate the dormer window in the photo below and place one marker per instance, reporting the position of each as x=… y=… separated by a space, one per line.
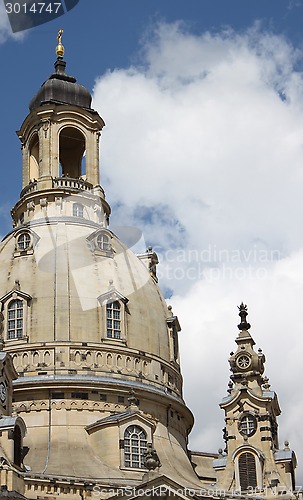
x=15 y=307
x=103 y=242
x=100 y=243
x=113 y=323
x=78 y=210
x=135 y=446
x=113 y=320
x=15 y=319
x=23 y=241
x=135 y=437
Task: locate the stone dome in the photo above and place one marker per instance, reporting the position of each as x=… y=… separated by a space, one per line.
x=67 y=282
x=91 y=337
x=61 y=88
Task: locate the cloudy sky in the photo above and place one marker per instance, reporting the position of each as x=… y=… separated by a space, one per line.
x=202 y=150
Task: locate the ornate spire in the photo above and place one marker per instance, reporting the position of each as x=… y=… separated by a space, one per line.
x=246 y=364
x=243 y=326
x=60 y=48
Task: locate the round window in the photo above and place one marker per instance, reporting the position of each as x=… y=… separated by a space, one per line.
x=24 y=241
x=248 y=424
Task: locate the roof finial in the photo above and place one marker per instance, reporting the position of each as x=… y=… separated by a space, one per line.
x=60 y=48
x=243 y=313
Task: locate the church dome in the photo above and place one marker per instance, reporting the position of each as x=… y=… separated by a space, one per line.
x=91 y=337
x=61 y=89
x=107 y=303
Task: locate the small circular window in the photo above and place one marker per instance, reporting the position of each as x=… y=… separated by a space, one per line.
x=248 y=424
x=103 y=242
x=24 y=241
x=243 y=361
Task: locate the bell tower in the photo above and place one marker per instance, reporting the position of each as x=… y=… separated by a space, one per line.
x=252 y=461
x=60 y=150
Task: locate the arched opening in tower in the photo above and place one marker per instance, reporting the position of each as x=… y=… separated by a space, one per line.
x=34 y=158
x=72 y=153
x=17 y=446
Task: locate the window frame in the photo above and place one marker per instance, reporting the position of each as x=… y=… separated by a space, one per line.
x=139 y=444
x=113 y=316
x=15 y=319
x=147 y=426
x=6 y=301
x=105 y=250
x=250 y=428
x=258 y=467
x=104 y=300
x=104 y=329
x=27 y=240
x=76 y=207
x=104 y=245
x=32 y=241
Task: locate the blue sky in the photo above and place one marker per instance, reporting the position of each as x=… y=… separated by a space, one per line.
x=204 y=99
x=101 y=35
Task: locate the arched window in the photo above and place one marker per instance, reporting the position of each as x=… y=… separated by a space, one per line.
x=135 y=445
x=113 y=320
x=34 y=158
x=71 y=151
x=15 y=319
x=17 y=446
x=103 y=242
x=247 y=471
x=78 y=210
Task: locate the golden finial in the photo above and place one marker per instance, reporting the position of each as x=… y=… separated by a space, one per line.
x=60 y=48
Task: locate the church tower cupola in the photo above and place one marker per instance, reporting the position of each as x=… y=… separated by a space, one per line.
x=61 y=88
x=60 y=151
x=252 y=461
x=246 y=365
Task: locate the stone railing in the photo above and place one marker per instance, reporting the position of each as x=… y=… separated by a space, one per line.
x=97 y=361
x=71 y=183
x=32 y=186
x=60 y=182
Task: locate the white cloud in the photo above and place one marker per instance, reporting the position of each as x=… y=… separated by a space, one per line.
x=203 y=149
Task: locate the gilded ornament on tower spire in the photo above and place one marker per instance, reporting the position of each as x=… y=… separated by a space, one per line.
x=60 y=48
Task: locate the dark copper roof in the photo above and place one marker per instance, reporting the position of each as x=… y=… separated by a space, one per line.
x=62 y=89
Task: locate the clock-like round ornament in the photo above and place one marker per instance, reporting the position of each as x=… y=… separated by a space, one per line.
x=243 y=361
